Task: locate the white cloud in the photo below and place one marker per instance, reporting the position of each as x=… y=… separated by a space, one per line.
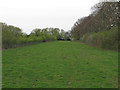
x=30 y=14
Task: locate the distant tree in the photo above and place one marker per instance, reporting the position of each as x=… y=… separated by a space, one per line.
x=104 y=16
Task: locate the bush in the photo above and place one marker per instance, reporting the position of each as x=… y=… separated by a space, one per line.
x=107 y=39
x=13 y=36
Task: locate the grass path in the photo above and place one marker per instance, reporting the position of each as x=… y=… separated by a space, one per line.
x=61 y=65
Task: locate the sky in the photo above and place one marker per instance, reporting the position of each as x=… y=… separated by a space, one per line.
x=31 y=14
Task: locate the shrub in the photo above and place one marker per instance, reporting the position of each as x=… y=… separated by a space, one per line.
x=107 y=39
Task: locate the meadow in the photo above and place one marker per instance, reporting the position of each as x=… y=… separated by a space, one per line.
x=59 y=64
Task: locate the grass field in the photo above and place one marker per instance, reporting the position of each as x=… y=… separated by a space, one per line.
x=60 y=64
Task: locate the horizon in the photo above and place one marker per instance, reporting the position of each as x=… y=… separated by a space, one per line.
x=60 y=14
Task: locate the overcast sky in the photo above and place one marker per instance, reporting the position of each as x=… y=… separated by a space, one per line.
x=31 y=14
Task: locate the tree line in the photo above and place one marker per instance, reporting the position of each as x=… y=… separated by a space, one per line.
x=13 y=36
x=100 y=28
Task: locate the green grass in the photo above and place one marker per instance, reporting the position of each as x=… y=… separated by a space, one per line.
x=60 y=64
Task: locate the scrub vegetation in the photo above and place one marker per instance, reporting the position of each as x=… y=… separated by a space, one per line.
x=100 y=28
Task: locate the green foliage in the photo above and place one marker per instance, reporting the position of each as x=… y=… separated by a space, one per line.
x=103 y=17
x=10 y=35
x=104 y=39
x=97 y=28
x=13 y=36
x=62 y=64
